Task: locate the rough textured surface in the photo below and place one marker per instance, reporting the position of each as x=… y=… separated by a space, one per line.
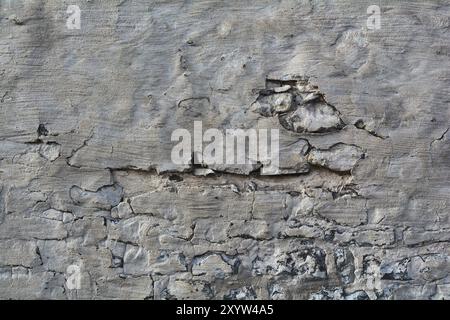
x=358 y=210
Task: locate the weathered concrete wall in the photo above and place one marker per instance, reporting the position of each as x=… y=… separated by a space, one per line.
x=358 y=209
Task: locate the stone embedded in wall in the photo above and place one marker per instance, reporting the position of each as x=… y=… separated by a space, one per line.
x=211 y=266
x=131 y=288
x=300 y=106
x=339 y=157
x=18 y=253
